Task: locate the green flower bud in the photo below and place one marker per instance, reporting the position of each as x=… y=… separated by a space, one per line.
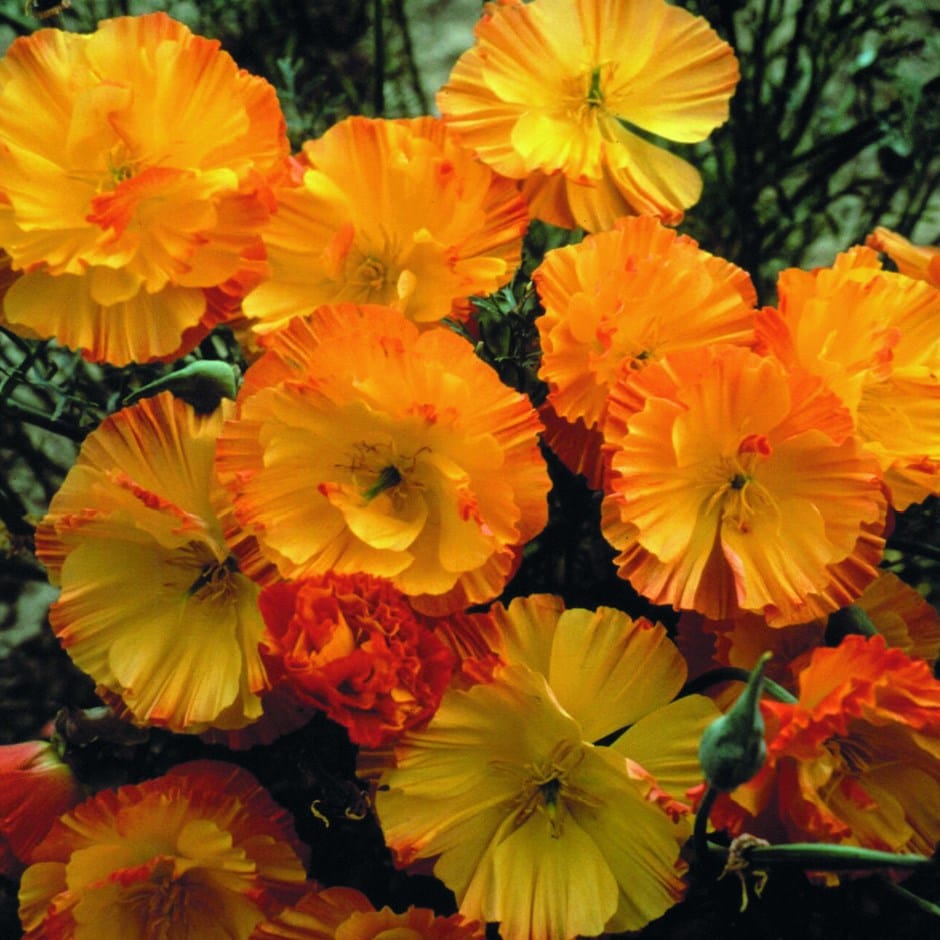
x=732 y=749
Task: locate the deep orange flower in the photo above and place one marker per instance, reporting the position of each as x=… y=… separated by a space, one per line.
x=856 y=759
x=153 y=606
x=36 y=787
x=874 y=336
x=530 y=822
x=353 y=647
x=552 y=90
x=622 y=299
x=347 y=914
x=389 y=212
x=200 y=852
x=122 y=212
x=363 y=444
x=897 y=611
x=738 y=486
x=921 y=262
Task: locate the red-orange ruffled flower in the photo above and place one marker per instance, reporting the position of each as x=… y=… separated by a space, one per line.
x=353 y=647
x=389 y=212
x=120 y=207
x=153 y=606
x=856 y=759
x=362 y=444
x=622 y=299
x=738 y=486
x=347 y=914
x=874 y=336
x=36 y=787
x=551 y=89
x=200 y=852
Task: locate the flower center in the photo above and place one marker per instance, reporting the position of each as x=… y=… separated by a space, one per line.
x=378 y=468
x=371 y=275
x=163 y=903
x=741 y=494
x=547 y=788
x=214 y=579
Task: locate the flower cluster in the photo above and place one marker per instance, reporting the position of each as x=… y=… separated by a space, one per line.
x=336 y=543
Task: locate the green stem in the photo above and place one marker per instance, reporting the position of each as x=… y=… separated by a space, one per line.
x=927 y=906
x=703 y=851
x=41 y=420
x=733 y=674
x=812 y=856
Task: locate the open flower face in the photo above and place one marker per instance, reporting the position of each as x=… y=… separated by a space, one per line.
x=362 y=444
x=389 y=212
x=153 y=606
x=560 y=93
x=738 y=486
x=119 y=208
x=856 y=759
x=616 y=302
x=535 y=826
x=200 y=852
x=874 y=336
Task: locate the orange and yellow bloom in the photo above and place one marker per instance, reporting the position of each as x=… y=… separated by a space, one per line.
x=347 y=914
x=364 y=445
x=738 y=486
x=873 y=336
x=200 y=852
x=531 y=823
x=153 y=605
x=559 y=93
x=388 y=212
x=624 y=298
x=921 y=262
x=128 y=221
x=855 y=760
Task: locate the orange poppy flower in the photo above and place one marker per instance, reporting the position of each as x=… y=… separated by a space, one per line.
x=856 y=759
x=347 y=914
x=36 y=787
x=622 y=299
x=389 y=212
x=921 y=262
x=874 y=337
x=154 y=606
x=353 y=647
x=561 y=93
x=531 y=823
x=738 y=486
x=364 y=445
x=122 y=213
x=200 y=852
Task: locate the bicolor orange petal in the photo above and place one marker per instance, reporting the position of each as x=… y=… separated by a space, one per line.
x=355 y=449
x=872 y=336
x=153 y=604
x=389 y=212
x=738 y=486
x=347 y=914
x=550 y=89
x=624 y=298
x=113 y=194
x=921 y=262
x=855 y=759
x=199 y=851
